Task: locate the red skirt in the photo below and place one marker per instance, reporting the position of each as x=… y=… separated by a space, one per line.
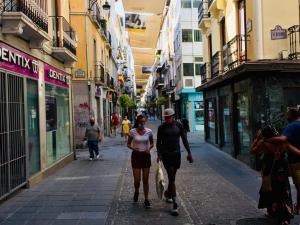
x=140 y=160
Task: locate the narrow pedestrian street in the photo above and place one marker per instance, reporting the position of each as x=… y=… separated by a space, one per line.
x=215 y=189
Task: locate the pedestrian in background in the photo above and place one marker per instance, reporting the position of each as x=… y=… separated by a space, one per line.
x=115 y=123
x=140 y=141
x=185 y=124
x=126 y=126
x=168 y=150
x=93 y=135
x=275 y=192
x=291 y=135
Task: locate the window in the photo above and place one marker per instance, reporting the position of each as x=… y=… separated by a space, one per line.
x=198 y=69
x=188 y=69
x=198 y=59
x=196 y=3
x=186 y=4
x=197 y=36
x=223 y=32
x=187 y=35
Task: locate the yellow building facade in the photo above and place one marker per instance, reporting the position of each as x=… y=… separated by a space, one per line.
x=93 y=83
x=38 y=49
x=251 y=73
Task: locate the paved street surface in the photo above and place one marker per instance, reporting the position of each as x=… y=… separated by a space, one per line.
x=215 y=189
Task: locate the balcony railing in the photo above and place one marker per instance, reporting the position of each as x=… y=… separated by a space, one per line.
x=64 y=34
x=97 y=14
x=234 y=53
x=99 y=74
x=215 y=63
x=30 y=8
x=204 y=72
x=203 y=10
x=294 y=39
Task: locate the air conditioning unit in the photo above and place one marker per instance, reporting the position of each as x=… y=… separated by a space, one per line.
x=283 y=54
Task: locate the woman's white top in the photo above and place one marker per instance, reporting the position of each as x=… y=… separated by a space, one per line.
x=141 y=142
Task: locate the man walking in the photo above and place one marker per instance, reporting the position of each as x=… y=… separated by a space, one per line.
x=115 y=123
x=92 y=135
x=168 y=150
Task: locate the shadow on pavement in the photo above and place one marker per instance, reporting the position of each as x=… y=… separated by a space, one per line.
x=256 y=221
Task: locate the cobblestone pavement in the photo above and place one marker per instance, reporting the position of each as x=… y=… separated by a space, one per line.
x=215 y=189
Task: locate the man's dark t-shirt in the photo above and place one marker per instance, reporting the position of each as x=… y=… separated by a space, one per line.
x=292 y=132
x=168 y=137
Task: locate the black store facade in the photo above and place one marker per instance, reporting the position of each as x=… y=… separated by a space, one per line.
x=238 y=103
x=21 y=155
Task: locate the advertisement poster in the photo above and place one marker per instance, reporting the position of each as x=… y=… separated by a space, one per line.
x=135 y=22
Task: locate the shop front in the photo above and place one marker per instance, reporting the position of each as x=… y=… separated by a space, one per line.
x=19 y=118
x=236 y=108
x=57 y=114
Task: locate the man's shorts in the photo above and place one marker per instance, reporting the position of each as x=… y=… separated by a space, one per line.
x=171 y=159
x=295 y=172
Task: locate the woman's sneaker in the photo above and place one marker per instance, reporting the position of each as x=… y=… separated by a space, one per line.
x=147 y=204
x=174 y=211
x=136 y=197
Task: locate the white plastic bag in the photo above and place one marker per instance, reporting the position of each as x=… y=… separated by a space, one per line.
x=160 y=181
x=85 y=144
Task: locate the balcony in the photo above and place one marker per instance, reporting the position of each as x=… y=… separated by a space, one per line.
x=99 y=74
x=204 y=72
x=64 y=41
x=159 y=82
x=215 y=65
x=96 y=14
x=234 y=53
x=26 y=19
x=203 y=11
x=294 y=41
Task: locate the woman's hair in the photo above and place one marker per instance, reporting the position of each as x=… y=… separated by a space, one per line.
x=136 y=123
x=269 y=131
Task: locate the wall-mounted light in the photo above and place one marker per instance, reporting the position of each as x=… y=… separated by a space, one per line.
x=106 y=6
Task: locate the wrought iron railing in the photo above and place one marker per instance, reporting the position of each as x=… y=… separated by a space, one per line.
x=97 y=14
x=294 y=39
x=235 y=52
x=203 y=10
x=215 y=65
x=30 y=8
x=99 y=73
x=66 y=38
x=204 y=74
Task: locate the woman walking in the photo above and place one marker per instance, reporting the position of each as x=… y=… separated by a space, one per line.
x=126 y=126
x=275 y=191
x=140 y=141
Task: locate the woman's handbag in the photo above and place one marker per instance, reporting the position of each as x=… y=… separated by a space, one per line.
x=160 y=181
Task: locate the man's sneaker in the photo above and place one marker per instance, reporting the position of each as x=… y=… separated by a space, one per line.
x=174 y=211
x=98 y=156
x=136 y=197
x=167 y=197
x=147 y=204
x=91 y=159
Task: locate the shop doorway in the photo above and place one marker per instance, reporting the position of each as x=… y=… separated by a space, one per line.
x=12 y=134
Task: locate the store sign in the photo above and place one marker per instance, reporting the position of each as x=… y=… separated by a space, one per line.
x=79 y=73
x=98 y=91
x=16 y=61
x=55 y=76
x=278 y=33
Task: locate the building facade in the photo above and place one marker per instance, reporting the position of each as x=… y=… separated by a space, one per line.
x=96 y=82
x=251 y=72
x=38 y=49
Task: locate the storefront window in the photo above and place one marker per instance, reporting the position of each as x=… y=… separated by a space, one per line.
x=57 y=123
x=243 y=122
x=33 y=126
x=226 y=119
x=211 y=120
x=199 y=115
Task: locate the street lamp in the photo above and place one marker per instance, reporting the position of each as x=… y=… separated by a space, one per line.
x=106 y=6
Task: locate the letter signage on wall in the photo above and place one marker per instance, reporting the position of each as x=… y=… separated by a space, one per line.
x=16 y=61
x=56 y=76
